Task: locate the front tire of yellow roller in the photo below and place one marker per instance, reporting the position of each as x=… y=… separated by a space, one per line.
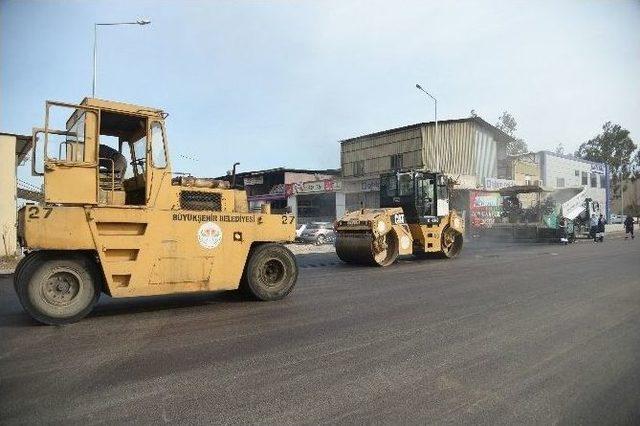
x=59 y=289
x=271 y=273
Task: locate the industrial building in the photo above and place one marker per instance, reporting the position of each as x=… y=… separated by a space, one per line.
x=469 y=150
x=565 y=171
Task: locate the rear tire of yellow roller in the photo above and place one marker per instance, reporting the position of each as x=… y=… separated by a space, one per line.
x=58 y=288
x=455 y=248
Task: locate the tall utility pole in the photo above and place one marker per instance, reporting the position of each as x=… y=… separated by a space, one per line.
x=435 y=109
x=95 y=45
x=621 y=195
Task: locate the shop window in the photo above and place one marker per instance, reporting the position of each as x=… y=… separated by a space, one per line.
x=585 y=178
x=603 y=181
x=396 y=162
x=560 y=182
x=577 y=173
x=594 y=180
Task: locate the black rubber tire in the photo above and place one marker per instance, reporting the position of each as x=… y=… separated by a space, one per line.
x=456 y=247
x=29 y=258
x=276 y=261
x=32 y=279
x=320 y=240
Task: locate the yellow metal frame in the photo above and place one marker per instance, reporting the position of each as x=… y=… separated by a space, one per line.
x=159 y=247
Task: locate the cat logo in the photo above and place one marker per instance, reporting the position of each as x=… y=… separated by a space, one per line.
x=398 y=219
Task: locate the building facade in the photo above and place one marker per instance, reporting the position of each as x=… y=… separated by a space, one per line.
x=311 y=195
x=563 y=171
x=13 y=151
x=524 y=169
x=469 y=150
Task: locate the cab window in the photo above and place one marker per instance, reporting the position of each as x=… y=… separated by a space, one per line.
x=405 y=185
x=122 y=158
x=425 y=194
x=157 y=146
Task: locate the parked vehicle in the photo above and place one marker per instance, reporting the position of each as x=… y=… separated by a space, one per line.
x=318 y=233
x=300 y=229
x=616 y=218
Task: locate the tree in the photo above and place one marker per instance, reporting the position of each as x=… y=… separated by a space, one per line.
x=508 y=124
x=615 y=148
x=560 y=149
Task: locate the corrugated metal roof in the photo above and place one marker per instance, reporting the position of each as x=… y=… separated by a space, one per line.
x=477 y=120
x=285 y=170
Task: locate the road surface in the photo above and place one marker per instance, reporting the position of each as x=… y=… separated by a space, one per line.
x=516 y=334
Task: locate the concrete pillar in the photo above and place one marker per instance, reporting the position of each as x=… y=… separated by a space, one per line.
x=8 y=214
x=292 y=203
x=340 y=204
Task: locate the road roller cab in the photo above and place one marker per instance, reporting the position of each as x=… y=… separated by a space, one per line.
x=116 y=220
x=414 y=218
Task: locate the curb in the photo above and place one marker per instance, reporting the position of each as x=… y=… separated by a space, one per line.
x=6 y=271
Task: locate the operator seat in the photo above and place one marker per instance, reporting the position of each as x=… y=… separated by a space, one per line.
x=112 y=161
x=112 y=166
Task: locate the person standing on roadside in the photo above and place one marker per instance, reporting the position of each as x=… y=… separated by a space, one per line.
x=593 y=227
x=562 y=227
x=628 y=227
x=601 y=223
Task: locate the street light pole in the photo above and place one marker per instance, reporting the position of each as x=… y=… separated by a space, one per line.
x=435 y=108
x=621 y=195
x=95 y=45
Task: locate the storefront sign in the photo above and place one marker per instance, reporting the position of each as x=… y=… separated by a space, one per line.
x=253 y=180
x=598 y=168
x=495 y=183
x=370 y=185
x=485 y=208
x=316 y=186
x=278 y=188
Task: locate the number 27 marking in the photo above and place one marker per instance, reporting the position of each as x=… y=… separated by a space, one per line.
x=287 y=219
x=33 y=212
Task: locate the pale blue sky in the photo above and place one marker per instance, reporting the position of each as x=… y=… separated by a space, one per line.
x=278 y=83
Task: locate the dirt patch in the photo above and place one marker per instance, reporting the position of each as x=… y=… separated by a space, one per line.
x=8 y=263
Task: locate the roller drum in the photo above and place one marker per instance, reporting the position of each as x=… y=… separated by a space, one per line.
x=360 y=248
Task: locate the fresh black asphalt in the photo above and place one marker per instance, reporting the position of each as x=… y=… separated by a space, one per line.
x=502 y=335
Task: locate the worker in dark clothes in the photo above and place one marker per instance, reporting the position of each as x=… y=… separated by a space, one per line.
x=601 y=223
x=628 y=227
x=593 y=228
x=562 y=228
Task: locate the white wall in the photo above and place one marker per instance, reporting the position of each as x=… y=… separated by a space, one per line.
x=554 y=167
x=292 y=203
x=8 y=214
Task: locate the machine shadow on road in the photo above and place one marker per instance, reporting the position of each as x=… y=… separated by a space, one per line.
x=108 y=307
x=116 y=307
